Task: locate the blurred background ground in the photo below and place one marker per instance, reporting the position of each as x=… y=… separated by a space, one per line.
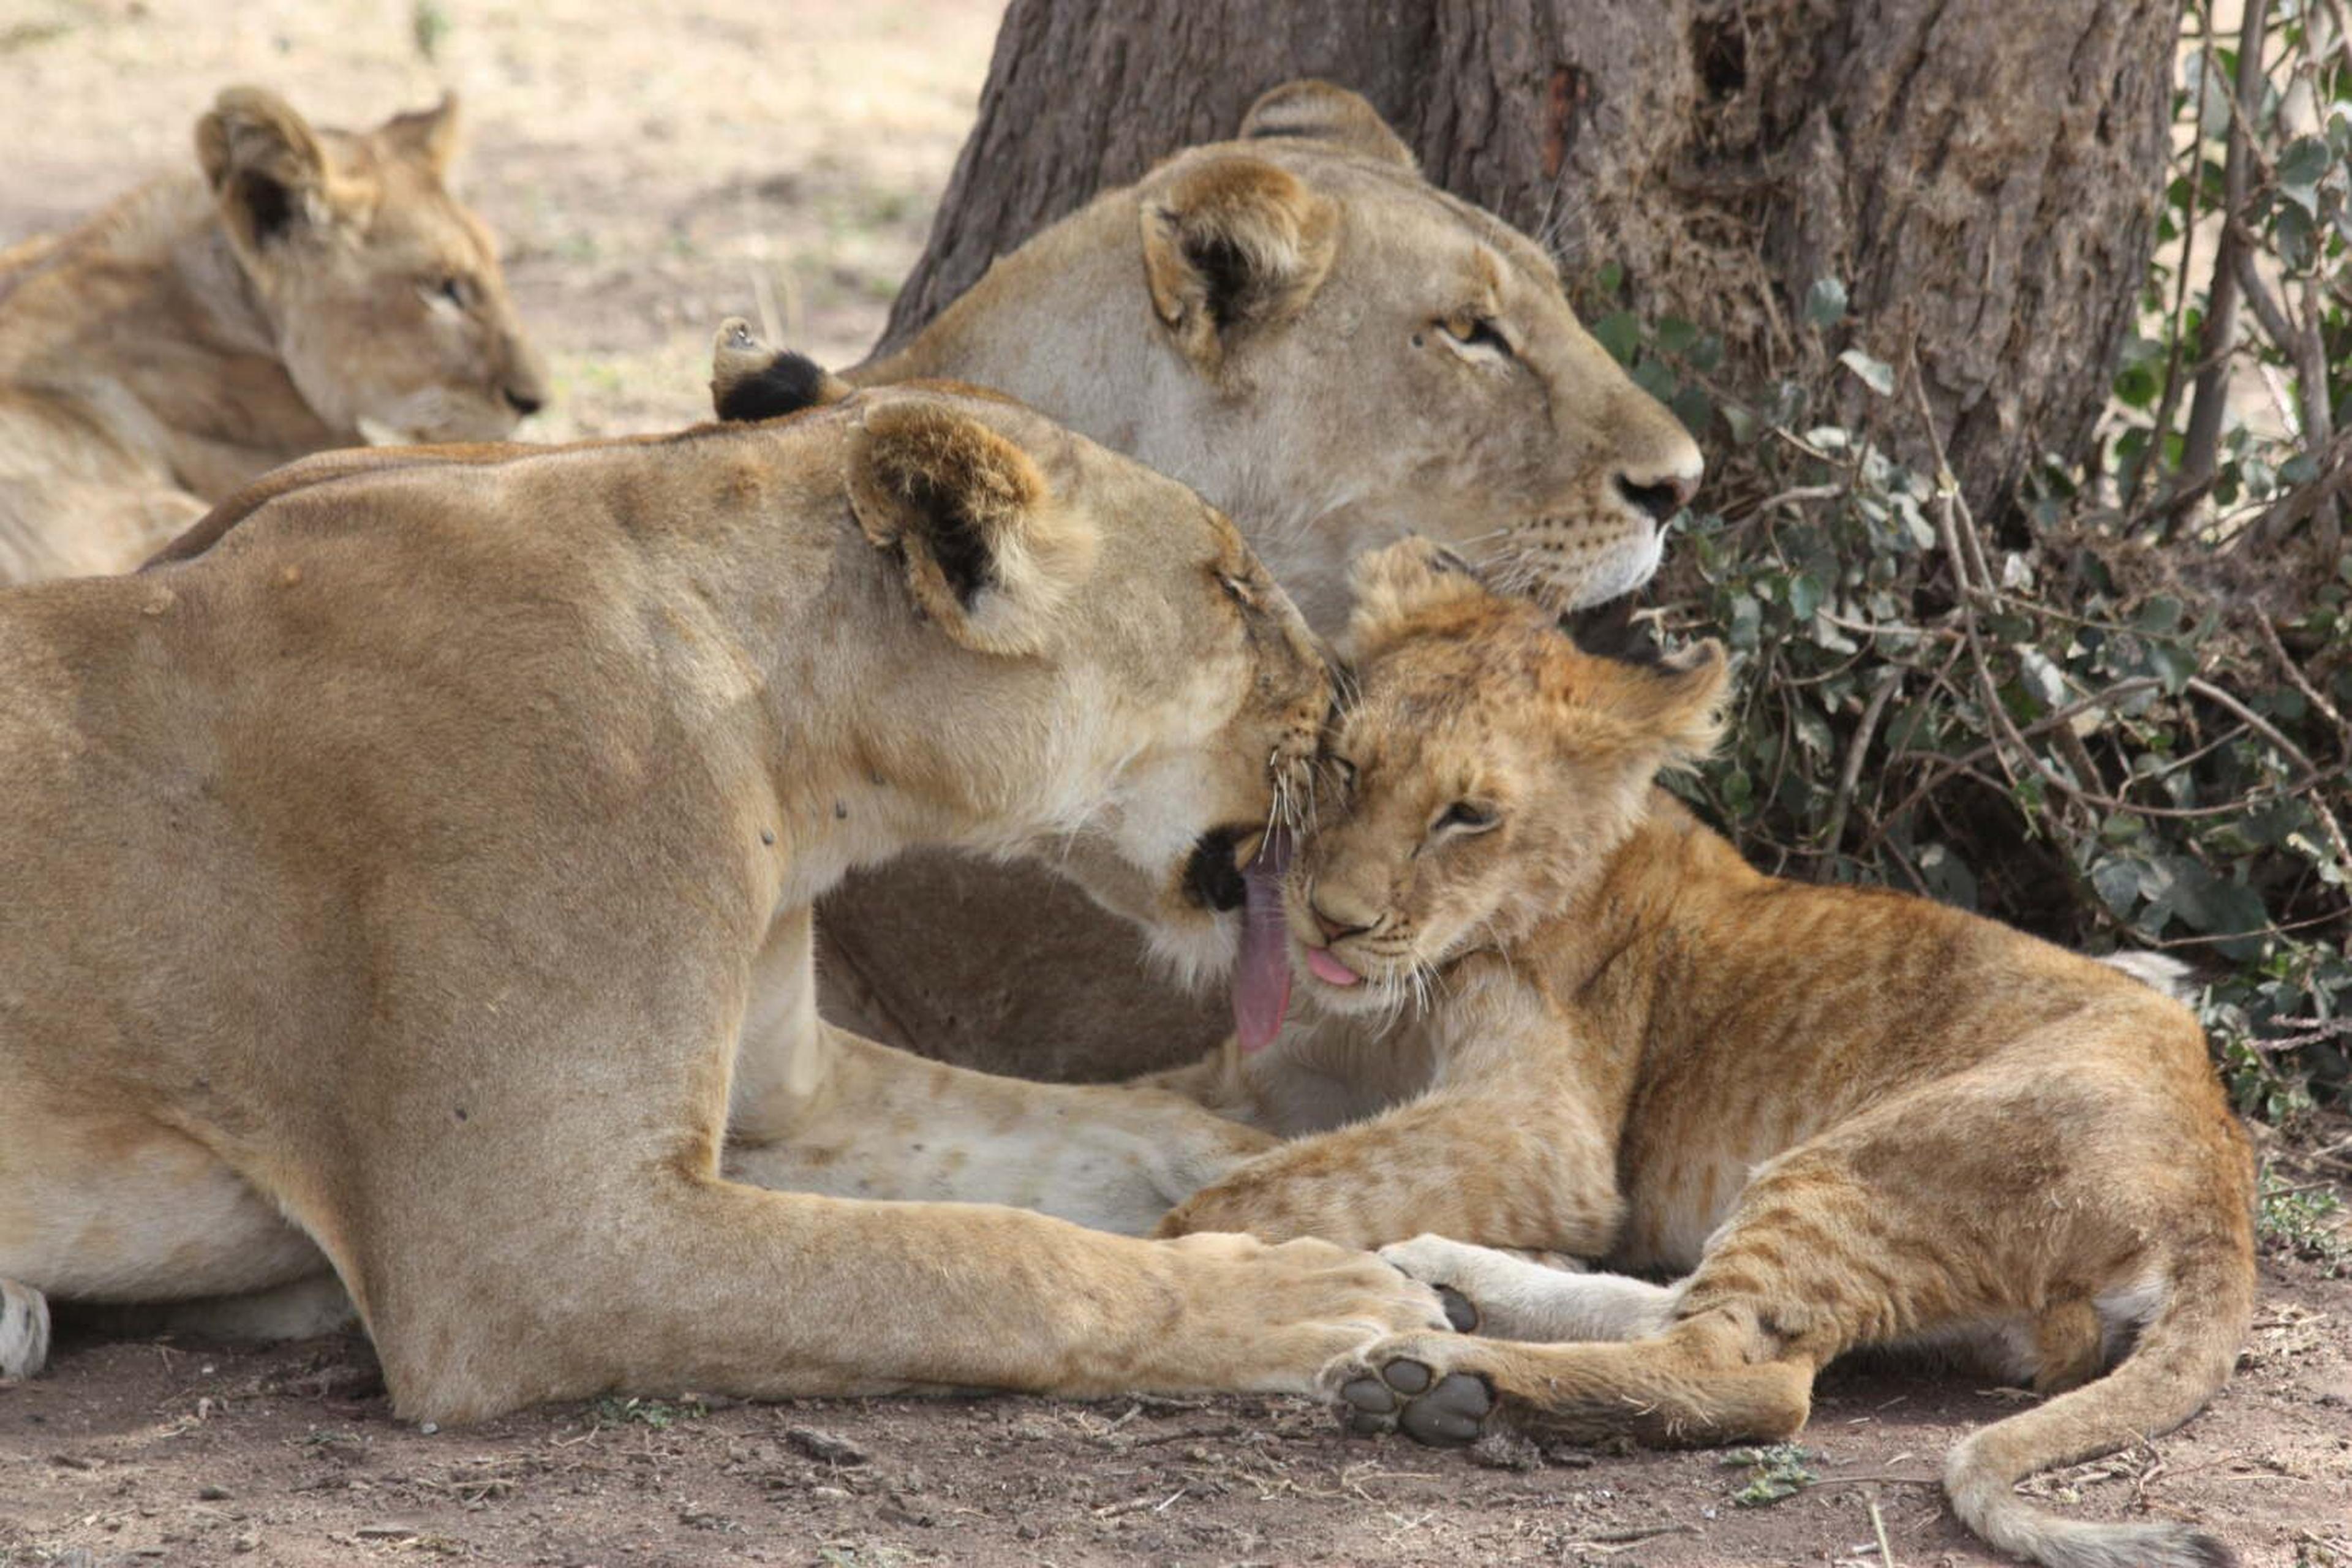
x=650 y=168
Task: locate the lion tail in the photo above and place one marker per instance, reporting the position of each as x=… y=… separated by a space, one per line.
x=2184 y=1354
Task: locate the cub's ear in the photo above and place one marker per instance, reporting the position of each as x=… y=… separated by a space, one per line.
x=1319 y=111
x=1230 y=244
x=431 y=137
x=1673 y=706
x=751 y=381
x=1397 y=584
x=266 y=167
x=989 y=552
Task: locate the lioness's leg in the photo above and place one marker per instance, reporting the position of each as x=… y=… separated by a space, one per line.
x=1532 y=1170
x=652 y=1279
x=23 y=1329
x=874 y=1122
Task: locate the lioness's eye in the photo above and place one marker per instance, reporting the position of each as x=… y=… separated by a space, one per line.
x=1343 y=774
x=1237 y=590
x=1477 y=333
x=453 y=289
x=1464 y=817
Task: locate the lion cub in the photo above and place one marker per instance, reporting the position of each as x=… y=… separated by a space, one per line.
x=1571 y=1017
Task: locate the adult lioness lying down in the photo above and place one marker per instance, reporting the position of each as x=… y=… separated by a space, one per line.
x=1335 y=351
x=313 y=288
x=417 y=854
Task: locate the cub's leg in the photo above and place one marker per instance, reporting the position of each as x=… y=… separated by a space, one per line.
x=1514 y=1299
x=1487 y=1164
x=23 y=1329
x=874 y=1122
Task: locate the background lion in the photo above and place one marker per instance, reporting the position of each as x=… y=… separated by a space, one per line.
x=313 y=288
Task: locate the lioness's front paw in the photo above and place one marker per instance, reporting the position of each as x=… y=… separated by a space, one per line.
x=1287 y=1312
x=1404 y=1386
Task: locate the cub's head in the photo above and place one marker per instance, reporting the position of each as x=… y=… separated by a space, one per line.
x=385 y=294
x=1338 y=354
x=1105 y=676
x=1480 y=778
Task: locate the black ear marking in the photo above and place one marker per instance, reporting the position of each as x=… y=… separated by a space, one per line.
x=267 y=203
x=955 y=541
x=786 y=384
x=1224 y=278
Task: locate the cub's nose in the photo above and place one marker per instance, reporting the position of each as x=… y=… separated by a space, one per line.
x=1334 y=929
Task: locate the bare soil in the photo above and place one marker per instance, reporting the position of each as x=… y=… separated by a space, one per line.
x=654 y=168
x=128 y=1453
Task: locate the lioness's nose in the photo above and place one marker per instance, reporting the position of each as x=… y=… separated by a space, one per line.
x=1664 y=485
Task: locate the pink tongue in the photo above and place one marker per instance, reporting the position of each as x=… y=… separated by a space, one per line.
x=1262 y=978
x=1327 y=967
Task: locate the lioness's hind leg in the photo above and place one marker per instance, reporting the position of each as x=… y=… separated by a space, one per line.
x=23 y=1329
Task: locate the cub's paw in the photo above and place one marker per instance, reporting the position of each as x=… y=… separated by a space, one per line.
x=1476 y=1283
x=1407 y=1385
x=23 y=1329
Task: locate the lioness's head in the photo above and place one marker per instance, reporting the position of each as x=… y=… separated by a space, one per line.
x=385 y=294
x=1481 y=778
x=1126 y=692
x=1337 y=353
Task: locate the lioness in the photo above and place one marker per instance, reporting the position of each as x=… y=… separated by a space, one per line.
x=313 y=288
x=423 y=844
x=1555 y=1012
x=1333 y=351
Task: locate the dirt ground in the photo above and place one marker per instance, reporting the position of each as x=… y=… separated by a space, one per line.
x=652 y=169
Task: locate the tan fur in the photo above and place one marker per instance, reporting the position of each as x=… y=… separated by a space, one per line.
x=424 y=849
x=1278 y=320
x=1243 y=315
x=1849 y=1117
x=284 y=299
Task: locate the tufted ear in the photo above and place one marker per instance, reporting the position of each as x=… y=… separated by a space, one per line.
x=1671 y=708
x=267 y=169
x=988 y=551
x=1319 y=111
x=751 y=381
x=1399 y=583
x=1234 y=243
x=428 y=136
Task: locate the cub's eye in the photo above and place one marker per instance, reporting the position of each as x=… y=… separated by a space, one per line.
x=1477 y=333
x=1343 y=774
x=1462 y=817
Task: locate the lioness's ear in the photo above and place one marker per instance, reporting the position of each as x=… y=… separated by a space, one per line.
x=1397 y=584
x=1230 y=244
x=430 y=136
x=1674 y=705
x=749 y=381
x=1319 y=111
x=266 y=167
x=989 y=554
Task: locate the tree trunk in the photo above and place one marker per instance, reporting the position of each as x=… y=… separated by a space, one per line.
x=1982 y=176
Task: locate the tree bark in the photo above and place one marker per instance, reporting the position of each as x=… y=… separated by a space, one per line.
x=1982 y=176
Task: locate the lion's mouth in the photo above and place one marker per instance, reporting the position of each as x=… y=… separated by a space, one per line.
x=1262 y=973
